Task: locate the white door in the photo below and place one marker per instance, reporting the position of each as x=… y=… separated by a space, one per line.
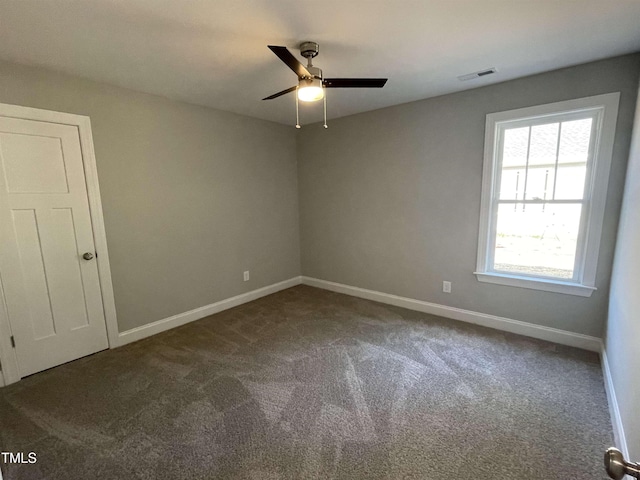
x=52 y=294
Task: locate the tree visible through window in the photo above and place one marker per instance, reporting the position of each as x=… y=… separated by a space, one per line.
x=543 y=199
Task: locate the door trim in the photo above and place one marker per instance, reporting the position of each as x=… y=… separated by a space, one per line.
x=10 y=372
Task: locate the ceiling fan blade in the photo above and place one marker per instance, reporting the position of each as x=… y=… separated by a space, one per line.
x=354 y=82
x=283 y=92
x=291 y=62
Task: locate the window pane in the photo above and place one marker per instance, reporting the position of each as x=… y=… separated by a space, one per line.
x=537 y=239
x=512 y=183
x=514 y=161
x=540 y=183
x=544 y=144
x=514 y=150
x=570 y=182
x=574 y=141
x=572 y=159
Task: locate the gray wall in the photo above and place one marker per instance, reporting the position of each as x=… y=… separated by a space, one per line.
x=623 y=328
x=192 y=196
x=390 y=199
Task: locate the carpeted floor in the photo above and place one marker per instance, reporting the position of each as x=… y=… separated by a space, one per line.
x=312 y=384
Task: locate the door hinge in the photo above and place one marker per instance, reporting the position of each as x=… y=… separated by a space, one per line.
x=13 y=342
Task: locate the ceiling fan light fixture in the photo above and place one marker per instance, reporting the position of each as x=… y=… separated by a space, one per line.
x=310 y=90
x=311 y=82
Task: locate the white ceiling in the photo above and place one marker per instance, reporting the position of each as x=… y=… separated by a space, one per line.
x=214 y=52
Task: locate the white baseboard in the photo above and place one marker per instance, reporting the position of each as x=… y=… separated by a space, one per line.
x=562 y=337
x=149 y=329
x=555 y=335
x=616 y=420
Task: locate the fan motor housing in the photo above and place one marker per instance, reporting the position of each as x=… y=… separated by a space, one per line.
x=309 y=49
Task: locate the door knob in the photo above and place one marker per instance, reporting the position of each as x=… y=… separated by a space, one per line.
x=617 y=467
x=87 y=256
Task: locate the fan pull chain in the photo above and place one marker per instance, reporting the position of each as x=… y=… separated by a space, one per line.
x=297 y=114
x=325 y=108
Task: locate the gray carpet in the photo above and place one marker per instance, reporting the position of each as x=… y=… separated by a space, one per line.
x=312 y=384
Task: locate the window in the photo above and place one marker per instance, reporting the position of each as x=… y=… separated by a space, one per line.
x=546 y=170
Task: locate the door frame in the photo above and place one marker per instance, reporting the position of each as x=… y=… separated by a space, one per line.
x=10 y=372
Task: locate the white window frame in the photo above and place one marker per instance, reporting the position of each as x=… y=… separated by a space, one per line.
x=605 y=110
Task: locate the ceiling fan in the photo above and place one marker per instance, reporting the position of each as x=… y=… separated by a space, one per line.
x=311 y=83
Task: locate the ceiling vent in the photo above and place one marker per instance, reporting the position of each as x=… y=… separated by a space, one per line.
x=481 y=73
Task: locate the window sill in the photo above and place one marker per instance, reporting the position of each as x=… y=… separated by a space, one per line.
x=547 y=285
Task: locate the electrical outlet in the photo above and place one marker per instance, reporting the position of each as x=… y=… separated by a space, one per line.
x=446 y=287
x=246 y=276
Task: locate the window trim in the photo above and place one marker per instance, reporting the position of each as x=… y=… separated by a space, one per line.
x=606 y=106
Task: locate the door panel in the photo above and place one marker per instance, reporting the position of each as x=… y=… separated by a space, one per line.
x=33 y=164
x=40 y=317
x=52 y=294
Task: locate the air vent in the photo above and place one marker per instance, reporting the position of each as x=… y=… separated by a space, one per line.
x=481 y=73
